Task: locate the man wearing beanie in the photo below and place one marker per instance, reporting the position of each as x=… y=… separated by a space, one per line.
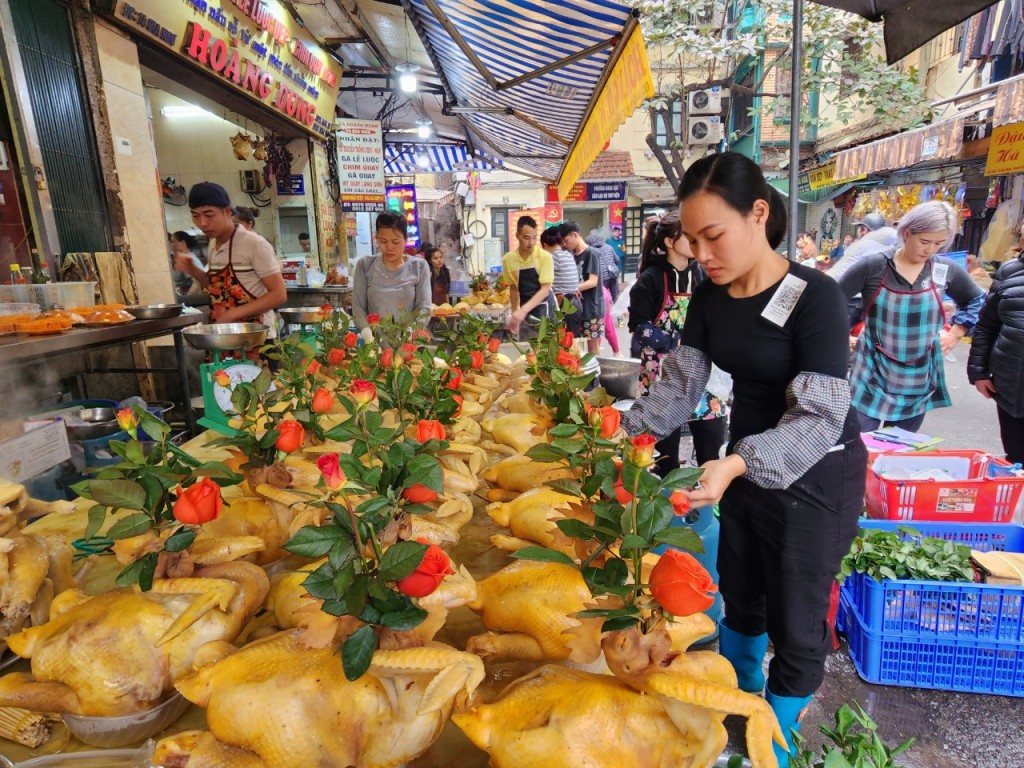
x=243 y=278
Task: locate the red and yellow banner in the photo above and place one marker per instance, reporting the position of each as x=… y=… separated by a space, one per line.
x=628 y=85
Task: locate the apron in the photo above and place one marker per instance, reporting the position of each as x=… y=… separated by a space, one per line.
x=670 y=320
x=528 y=283
x=898 y=371
x=227 y=292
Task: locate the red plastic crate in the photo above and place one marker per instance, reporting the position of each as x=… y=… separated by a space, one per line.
x=988 y=494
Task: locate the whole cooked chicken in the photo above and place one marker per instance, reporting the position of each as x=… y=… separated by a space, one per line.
x=119 y=653
x=531 y=517
x=520 y=431
x=519 y=473
x=292 y=707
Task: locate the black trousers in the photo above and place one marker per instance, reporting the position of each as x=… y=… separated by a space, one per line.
x=1011 y=430
x=708 y=438
x=778 y=555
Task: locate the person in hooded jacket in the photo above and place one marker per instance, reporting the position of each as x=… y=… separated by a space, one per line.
x=658 y=302
x=995 y=365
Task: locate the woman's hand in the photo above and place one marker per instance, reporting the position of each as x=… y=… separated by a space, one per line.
x=986 y=387
x=948 y=339
x=718 y=474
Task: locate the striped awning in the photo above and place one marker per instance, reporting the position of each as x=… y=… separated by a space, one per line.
x=541 y=84
x=435 y=158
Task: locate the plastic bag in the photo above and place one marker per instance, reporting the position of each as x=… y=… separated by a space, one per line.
x=720 y=384
x=1001 y=234
x=621 y=305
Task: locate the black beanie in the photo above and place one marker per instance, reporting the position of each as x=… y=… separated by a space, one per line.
x=207 y=193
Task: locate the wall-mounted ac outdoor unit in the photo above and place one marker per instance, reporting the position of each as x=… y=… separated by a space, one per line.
x=705 y=102
x=704 y=130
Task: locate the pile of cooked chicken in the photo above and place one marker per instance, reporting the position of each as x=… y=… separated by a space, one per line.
x=234 y=631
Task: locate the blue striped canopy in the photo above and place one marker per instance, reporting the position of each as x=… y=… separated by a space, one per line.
x=444 y=158
x=513 y=38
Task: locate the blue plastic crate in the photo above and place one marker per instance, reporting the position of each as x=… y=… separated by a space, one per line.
x=971 y=666
x=941 y=609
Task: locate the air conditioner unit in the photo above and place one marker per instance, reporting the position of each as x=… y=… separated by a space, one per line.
x=252 y=181
x=705 y=102
x=704 y=130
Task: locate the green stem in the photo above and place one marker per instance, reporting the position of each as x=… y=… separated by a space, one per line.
x=635 y=557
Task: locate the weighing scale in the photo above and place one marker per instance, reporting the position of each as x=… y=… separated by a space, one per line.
x=219 y=338
x=303 y=320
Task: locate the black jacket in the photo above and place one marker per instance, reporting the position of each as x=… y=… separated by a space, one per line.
x=647 y=297
x=997 y=346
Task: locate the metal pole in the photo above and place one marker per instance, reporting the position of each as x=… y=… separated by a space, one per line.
x=794 y=123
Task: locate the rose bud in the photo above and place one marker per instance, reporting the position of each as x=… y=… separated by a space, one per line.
x=373 y=319
x=453 y=379
x=429 y=429
x=408 y=350
x=329 y=467
x=291 y=436
x=323 y=401
x=336 y=356
x=363 y=391
x=570 y=362
x=419 y=494
x=222 y=378
x=641 y=451
x=680 y=502
x=199 y=503
x=458 y=400
x=476 y=360
x=493 y=344
x=567 y=340
x=428 y=574
x=610 y=421
x=387 y=357
x=681 y=585
x=351 y=339
x=313 y=368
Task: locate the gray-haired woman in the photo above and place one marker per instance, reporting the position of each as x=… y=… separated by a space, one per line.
x=898 y=373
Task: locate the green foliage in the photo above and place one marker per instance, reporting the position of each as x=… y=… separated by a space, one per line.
x=907 y=554
x=855 y=743
x=146 y=481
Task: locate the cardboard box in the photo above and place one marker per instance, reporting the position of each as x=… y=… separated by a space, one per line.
x=32 y=447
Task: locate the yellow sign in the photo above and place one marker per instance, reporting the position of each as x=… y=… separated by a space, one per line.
x=1006 y=150
x=825 y=176
x=628 y=85
x=253 y=46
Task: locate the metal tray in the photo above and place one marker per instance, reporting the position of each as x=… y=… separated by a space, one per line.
x=301 y=315
x=154 y=311
x=226 y=336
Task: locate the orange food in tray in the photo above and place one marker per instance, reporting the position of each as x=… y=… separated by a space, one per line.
x=46 y=325
x=86 y=311
x=106 y=316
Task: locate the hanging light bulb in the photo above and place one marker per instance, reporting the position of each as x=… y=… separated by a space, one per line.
x=423 y=126
x=422 y=160
x=407 y=80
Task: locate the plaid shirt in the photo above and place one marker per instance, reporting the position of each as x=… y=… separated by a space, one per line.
x=817 y=407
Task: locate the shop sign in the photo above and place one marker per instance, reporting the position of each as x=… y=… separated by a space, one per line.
x=254 y=46
x=402 y=198
x=361 y=166
x=293 y=185
x=1006 y=150
x=327 y=223
x=592 y=191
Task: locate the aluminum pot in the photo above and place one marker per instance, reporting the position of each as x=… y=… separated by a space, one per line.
x=620 y=376
x=301 y=315
x=226 y=336
x=99 y=422
x=154 y=311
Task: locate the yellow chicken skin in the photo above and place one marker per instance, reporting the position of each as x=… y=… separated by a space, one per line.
x=200 y=748
x=521 y=474
x=563 y=717
x=294 y=708
x=531 y=518
x=519 y=431
x=532 y=604
x=119 y=653
x=696 y=689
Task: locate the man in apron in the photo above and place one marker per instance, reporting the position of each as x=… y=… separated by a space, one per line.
x=529 y=272
x=243 y=278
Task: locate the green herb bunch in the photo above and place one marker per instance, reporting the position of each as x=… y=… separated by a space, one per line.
x=906 y=554
x=855 y=743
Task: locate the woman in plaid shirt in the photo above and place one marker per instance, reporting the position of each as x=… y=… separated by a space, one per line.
x=898 y=373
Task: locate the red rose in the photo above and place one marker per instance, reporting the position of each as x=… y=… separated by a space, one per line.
x=476 y=360
x=680 y=502
x=408 y=350
x=199 y=503
x=481 y=339
x=453 y=378
x=608 y=419
x=458 y=400
x=567 y=361
x=351 y=339
x=493 y=344
x=428 y=574
x=336 y=356
x=373 y=319
x=291 y=436
x=222 y=378
x=329 y=467
x=429 y=429
x=326 y=309
x=313 y=368
x=641 y=451
x=323 y=401
x=421 y=333
x=419 y=494
x=680 y=584
x=363 y=391
x=567 y=340
x=387 y=357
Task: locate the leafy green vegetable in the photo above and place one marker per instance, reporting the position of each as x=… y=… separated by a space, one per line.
x=906 y=554
x=855 y=743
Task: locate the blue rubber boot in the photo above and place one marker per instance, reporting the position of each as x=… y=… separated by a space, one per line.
x=788 y=710
x=746 y=654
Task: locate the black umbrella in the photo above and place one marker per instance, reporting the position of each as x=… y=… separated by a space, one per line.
x=909 y=24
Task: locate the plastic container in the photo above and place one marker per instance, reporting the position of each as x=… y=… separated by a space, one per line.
x=15 y=308
x=934 y=634
x=50 y=295
x=985 y=491
x=128 y=729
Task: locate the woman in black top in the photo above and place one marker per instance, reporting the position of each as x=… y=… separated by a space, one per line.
x=440 y=277
x=792 y=485
x=658 y=302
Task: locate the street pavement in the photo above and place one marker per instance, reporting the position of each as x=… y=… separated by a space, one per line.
x=952 y=730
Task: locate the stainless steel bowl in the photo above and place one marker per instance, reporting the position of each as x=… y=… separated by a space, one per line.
x=97 y=415
x=154 y=311
x=301 y=315
x=99 y=422
x=620 y=376
x=226 y=336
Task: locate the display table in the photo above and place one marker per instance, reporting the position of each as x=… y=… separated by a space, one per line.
x=28 y=350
